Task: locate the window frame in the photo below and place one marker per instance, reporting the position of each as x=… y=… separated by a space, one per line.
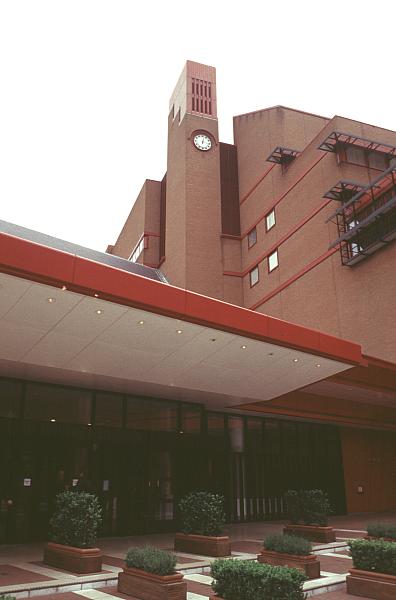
x=256 y=268
x=250 y=245
x=268 y=228
x=275 y=252
x=139 y=248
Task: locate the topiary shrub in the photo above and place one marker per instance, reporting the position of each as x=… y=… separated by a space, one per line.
x=248 y=580
x=382 y=530
x=152 y=560
x=288 y=544
x=310 y=507
x=374 y=555
x=76 y=520
x=202 y=513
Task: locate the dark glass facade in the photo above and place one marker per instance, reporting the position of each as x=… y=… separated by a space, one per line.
x=140 y=455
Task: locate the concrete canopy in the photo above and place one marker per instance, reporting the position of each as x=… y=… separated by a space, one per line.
x=67 y=319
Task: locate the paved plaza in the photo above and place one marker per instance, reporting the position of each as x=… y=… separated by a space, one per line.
x=23 y=574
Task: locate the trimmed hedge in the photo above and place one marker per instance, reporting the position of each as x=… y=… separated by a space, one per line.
x=288 y=544
x=310 y=507
x=374 y=555
x=152 y=560
x=202 y=513
x=248 y=580
x=383 y=530
x=76 y=520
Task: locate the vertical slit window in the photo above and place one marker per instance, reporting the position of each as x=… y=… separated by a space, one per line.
x=270 y=220
x=254 y=276
x=273 y=261
x=252 y=237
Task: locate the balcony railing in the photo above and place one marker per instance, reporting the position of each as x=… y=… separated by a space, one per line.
x=367 y=221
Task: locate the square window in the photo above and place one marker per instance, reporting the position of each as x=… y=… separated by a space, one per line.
x=254 y=276
x=252 y=237
x=270 y=220
x=273 y=261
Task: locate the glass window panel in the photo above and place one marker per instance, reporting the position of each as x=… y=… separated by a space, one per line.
x=151 y=415
x=289 y=437
x=252 y=237
x=191 y=419
x=254 y=433
x=236 y=433
x=254 y=276
x=67 y=405
x=108 y=410
x=270 y=220
x=10 y=398
x=272 y=437
x=273 y=261
x=356 y=155
x=215 y=424
x=377 y=160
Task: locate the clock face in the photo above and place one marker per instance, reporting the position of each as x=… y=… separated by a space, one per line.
x=202 y=142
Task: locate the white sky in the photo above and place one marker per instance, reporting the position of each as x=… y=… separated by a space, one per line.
x=85 y=85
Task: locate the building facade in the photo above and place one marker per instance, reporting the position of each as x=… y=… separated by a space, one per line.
x=295 y=220
x=238 y=336
x=299 y=209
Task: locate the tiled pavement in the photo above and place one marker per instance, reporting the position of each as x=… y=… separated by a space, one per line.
x=23 y=573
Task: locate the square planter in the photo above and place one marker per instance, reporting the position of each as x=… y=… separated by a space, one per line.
x=314 y=533
x=308 y=564
x=379 y=586
x=203 y=544
x=76 y=560
x=148 y=586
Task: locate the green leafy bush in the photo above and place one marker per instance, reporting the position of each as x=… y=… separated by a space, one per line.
x=202 y=513
x=374 y=555
x=288 y=544
x=76 y=520
x=310 y=507
x=248 y=580
x=382 y=530
x=152 y=560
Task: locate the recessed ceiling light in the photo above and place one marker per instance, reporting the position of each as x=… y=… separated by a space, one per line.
x=295 y=359
x=63 y=288
x=243 y=347
x=96 y=295
x=179 y=331
x=140 y=322
x=317 y=365
x=53 y=420
x=89 y=424
x=99 y=311
x=50 y=300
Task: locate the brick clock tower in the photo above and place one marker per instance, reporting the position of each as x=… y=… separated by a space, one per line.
x=193 y=252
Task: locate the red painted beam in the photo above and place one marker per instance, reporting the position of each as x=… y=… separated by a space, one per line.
x=32 y=261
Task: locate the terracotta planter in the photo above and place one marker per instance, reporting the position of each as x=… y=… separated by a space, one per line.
x=76 y=560
x=148 y=586
x=314 y=533
x=379 y=586
x=309 y=564
x=203 y=544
